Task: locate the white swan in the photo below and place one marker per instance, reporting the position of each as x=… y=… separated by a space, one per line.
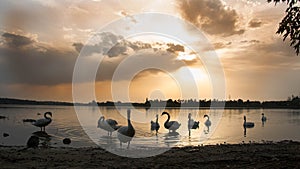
x=42 y=123
x=263 y=118
x=170 y=125
x=126 y=133
x=155 y=125
x=109 y=125
x=192 y=124
x=247 y=124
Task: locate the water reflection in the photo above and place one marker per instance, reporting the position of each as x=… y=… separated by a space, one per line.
x=171 y=138
x=281 y=124
x=44 y=138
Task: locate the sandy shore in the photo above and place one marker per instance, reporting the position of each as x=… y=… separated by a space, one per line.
x=285 y=154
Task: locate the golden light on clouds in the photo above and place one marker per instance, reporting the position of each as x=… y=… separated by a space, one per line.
x=39 y=48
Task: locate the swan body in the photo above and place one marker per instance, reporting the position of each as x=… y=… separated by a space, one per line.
x=109 y=125
x=42 y=123
x=263 y=118
x=192 y=124
x=126 y=133
x=170 y=125
x=155 y=125
x=247 y=124
x=207 y=122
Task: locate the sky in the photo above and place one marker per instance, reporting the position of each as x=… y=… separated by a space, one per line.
x=42 y=42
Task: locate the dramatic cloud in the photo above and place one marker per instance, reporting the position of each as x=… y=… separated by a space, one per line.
x=36 y=63
x=255 y=23
x=211 y=16
x=78 y=46
x=175 y=48
x=13 y=40
x=42 y=64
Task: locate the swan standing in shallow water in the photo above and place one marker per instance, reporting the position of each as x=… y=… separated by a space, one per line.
x=247 y=124
x=126 y=133
x=263 y=118
x=170 y=125
x=155 y=125
x=109 y=125
x=207 y=123
x=192 y=124
x=42 y=123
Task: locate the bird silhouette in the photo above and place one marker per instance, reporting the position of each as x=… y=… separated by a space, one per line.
x=42 y=123
x=170 y=125
x=247 y=124
x=126 y=133
x=109 y=125
x=155 y=125
x=192 y=124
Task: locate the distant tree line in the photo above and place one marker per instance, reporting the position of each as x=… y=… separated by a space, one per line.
x=291 y=102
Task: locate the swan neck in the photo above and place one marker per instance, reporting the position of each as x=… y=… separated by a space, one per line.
x=46 y=117
x=168 y=118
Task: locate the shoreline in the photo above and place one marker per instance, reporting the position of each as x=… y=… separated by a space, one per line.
x=283 y=154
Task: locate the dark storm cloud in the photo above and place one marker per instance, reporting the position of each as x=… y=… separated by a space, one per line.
x=42 y=64
x=255 y=23
x=13 y=40
x=211 y=16
x=35 y=64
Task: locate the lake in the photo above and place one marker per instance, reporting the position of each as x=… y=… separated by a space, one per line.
x=81 y=127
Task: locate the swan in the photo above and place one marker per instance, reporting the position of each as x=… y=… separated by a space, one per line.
x=207 y=122
x=171 y=125
x=42 y=123
x=248 y=124
x=263 y=118
x=192 y=124
x=155 y=125
x=126 y=133
x=109 y=125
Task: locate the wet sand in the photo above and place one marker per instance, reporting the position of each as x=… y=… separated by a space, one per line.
x=284 y=154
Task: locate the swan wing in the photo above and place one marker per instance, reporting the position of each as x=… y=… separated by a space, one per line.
x=111 y=122
x=42 y=122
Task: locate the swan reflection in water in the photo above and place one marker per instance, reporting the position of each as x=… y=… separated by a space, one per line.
x=44 y=138
x=171 y=138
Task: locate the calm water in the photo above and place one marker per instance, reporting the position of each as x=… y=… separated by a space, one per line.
x=227 y=126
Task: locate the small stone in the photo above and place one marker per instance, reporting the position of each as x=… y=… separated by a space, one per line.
x=66 y=141
x=5 y=134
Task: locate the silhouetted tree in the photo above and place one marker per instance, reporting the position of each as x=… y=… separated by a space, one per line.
x=290 y=24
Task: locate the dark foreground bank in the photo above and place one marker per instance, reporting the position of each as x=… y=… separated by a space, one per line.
x=285 y=154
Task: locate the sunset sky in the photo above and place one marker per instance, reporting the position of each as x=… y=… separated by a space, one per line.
x=41 y=40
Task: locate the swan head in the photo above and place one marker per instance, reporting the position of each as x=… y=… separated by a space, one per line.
x=156 y=116
x=205 y=116
x=263 y=114
x=102 y=118
x=48 y=113
x=163 y=113
x=244 y=118
x=190 y=115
